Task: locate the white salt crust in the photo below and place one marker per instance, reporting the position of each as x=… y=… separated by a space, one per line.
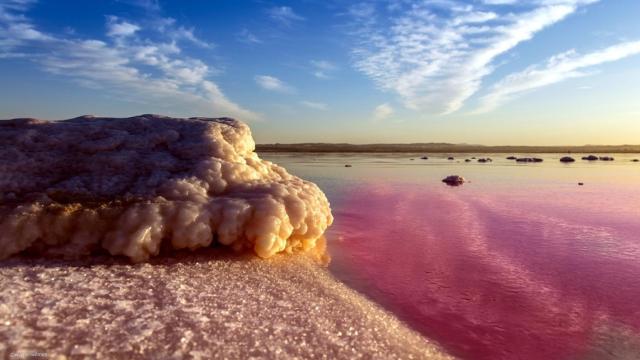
x=134 y=186
x=194 y=306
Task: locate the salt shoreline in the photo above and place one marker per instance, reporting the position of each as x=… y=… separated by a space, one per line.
x=197 y=305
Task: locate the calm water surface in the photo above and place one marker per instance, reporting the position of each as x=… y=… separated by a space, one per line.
x=520 y=263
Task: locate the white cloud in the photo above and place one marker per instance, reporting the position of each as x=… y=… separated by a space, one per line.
x=272 y=83
x=15 y=28
x=284 y=15
x=382 y=112
x=315 y=105
x=558 y=68
x=168 y=27
x=136 y=68
x=182 y=33
x=117 y=27
x=248 y=37
x=435 y=54
x=322 y=68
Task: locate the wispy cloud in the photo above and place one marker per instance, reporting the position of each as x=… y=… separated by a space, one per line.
x=382 y=112
x=284 y=15
x=315 y=105
x=322 y=69
x=272 y=83
x=125 y=63
x=120 y=28
x=184 y=33
x=147 y=5
x=168 y=27
x=248 y=37
x=16 y=29
x=434 y=54
x=557 y=69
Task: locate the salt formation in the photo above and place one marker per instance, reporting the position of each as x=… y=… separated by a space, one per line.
x=134 y=186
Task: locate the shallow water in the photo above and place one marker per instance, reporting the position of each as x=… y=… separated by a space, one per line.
x=521 y=262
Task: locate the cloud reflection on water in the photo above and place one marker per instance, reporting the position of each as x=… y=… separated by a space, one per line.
x=497 y=274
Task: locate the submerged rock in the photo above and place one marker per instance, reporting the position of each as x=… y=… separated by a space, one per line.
x=424 y=158
x=590 y=158
x=347 y=165
x=534 y=160
x=132 y=186
x=635 y=160
x=454 y=180
x=606 y=158
x=450 y=158
x=567 y=159
x=511 y=158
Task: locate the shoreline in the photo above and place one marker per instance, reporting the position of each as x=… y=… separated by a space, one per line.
x=443 y=149
x=199 y=304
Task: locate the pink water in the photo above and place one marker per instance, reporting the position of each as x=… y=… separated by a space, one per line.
x=521 y=263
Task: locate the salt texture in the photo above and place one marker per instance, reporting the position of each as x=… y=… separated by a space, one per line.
x=134 y=186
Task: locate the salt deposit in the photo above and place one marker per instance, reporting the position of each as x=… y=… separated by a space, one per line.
x=202 y=305
x=134 y=186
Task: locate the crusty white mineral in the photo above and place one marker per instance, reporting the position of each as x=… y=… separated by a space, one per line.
x=134 y=186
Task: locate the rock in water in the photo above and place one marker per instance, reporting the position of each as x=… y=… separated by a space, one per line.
x=134 y=185
x=454 y=180
x=567 y=159
x=535 y=160
x=590 y=158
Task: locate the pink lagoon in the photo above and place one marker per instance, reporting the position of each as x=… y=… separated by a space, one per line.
x=520 y=262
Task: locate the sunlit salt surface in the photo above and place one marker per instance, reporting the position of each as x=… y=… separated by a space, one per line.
x=519 y=263
x=196 y=305
x=135 y=186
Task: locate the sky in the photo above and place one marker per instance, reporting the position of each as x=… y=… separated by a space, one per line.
x=494 y=72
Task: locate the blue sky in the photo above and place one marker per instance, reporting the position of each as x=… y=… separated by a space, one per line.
x=536 y=72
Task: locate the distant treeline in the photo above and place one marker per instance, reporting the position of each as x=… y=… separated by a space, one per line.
x=441 y=148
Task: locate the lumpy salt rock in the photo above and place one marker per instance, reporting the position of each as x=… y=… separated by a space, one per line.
x=135 y=185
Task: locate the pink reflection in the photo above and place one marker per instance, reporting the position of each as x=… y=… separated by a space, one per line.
x=531 y=275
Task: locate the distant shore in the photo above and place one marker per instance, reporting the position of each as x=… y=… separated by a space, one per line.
x=442 y=148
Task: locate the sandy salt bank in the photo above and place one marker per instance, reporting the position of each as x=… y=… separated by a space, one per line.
x=73 y=193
